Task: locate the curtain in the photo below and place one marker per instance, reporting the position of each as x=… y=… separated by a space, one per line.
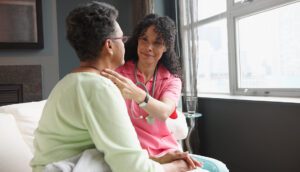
x=141 y=8
x=187 y=13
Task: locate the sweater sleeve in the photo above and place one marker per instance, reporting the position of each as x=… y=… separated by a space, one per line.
x=111 y=130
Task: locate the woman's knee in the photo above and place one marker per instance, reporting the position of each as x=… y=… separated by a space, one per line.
x=211 y=164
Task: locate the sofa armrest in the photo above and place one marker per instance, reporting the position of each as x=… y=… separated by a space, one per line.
x=27 y=116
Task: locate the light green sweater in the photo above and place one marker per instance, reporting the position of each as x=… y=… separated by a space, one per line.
x=86 y=110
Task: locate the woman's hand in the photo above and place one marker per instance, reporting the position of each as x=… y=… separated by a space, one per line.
x=161 y=109
x=128 y=89
x=176 y=166
x=177 y=155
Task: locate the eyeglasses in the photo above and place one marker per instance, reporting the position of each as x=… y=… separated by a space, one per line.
x=143 y=41
x=123 y=38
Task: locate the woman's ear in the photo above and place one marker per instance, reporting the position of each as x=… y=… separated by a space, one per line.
x=108 y=46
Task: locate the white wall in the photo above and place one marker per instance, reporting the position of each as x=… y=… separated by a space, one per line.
x=46 y=57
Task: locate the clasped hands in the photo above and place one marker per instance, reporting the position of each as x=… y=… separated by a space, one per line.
x=178 y=156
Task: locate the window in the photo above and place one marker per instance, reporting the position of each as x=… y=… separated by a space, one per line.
x=243 y=47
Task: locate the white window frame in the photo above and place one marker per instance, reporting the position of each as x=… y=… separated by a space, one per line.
x=238 y=10
x=235 y=11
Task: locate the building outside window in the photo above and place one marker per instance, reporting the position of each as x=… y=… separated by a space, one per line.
x=242 y=47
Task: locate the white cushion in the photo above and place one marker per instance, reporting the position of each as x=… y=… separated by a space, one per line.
x=178 y=126
x=27 y=116
x=14 y=153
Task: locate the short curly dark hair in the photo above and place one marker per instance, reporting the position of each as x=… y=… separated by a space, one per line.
x=166 y=30
x=88 y=26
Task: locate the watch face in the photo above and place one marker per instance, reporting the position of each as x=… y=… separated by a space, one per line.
x=146 y=98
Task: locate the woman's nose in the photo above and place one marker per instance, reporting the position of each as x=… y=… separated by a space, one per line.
x=149 y=47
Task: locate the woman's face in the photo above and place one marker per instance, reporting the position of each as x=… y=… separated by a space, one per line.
x=150 y=47
x=118 y=47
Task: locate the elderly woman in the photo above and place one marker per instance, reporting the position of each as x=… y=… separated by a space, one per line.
x=85 y=123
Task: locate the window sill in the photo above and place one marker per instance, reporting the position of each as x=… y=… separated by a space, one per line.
x=252 y=98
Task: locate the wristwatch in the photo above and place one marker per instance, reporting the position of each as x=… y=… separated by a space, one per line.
x=145 y=102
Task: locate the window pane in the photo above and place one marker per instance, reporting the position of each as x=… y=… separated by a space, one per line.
x=208 y=8
x=269 y=49
x=212 y=57
x=202 y=9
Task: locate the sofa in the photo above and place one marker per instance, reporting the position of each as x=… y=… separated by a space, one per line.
x=17 y=125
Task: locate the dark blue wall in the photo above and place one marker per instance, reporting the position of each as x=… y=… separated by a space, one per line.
x=46 y=57
x=249 y=135
x=67 y=57
x=165 y=7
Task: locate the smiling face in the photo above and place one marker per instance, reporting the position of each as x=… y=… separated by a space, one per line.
x=150 y=47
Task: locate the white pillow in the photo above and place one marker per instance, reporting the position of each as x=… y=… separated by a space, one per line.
x=14 y=153
x=178 y=126
x=27 y=116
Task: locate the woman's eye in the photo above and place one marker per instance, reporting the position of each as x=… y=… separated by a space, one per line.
x=158 y=43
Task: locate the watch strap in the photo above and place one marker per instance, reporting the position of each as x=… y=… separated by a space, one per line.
x=145 y=102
